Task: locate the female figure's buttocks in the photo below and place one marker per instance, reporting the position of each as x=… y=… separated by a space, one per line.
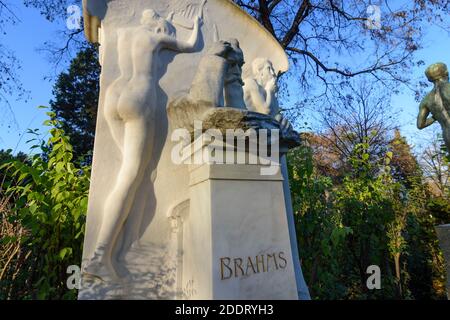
x=112 y=97
x=115 y=89
x=137 y=100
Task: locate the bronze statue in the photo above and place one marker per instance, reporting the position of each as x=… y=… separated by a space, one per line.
x=437 y=102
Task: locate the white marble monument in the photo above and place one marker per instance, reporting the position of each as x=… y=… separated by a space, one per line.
x=166 y=220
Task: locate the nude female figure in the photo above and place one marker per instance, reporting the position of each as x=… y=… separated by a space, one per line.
x=130 y=105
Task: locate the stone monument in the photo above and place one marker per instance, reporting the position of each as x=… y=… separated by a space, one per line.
x=186 y=201
x=443 y=233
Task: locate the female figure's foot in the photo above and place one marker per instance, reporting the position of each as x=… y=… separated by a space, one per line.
x=121 y=255
x=100 y=266
x=122 y=271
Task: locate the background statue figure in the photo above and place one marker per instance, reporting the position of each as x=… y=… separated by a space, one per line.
x=219 y=76
x=436 y=105
x=129 y=109
x=217 y=83
x=234 y=94
x=209 y=81
x=261 y=92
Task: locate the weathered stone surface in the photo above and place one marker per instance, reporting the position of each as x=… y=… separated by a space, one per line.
x=183 y=113
x=443 y=233
x=244 y=244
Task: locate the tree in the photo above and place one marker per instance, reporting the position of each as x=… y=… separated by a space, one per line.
x=425 y=265
x=51 y=9
x=75 y=100
x=70 y=41
x=320 y=231
x=11 y=86
x=368 y=205
x=323 y=38
x=359 y=115
x=404 y=165
x=81 y=129
x=436 y=168
x=7 y=156
x=378 y=213
x=327 y=161
x=319 y=35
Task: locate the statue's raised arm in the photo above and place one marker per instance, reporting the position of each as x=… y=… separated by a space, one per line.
x=190 y=44
x=424 y=119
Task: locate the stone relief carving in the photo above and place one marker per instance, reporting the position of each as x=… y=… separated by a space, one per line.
x=220 y=99
x=129 y=110
x=217 y=83
x=436 y=105
x=209 y=82
x=218 y=80
x=177 y=216
x=261 y=92
x=183 y=15
x=234 y=93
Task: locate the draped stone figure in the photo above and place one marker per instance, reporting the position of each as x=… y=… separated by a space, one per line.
x=217 y=83
x=218 y=80
x=234 y=94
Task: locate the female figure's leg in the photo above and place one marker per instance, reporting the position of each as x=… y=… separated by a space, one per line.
x=131 y=232
x=137 y=147
x=112 y=117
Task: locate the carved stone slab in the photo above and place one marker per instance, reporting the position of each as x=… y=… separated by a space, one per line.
x=150 y=246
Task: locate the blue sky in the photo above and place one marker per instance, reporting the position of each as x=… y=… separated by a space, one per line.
x=29 y=35
x=25 y=38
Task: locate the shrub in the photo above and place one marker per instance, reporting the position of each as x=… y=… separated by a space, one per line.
x=43 y=219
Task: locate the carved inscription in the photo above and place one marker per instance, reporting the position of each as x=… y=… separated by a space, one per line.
x=189 y=289
x=241 y=267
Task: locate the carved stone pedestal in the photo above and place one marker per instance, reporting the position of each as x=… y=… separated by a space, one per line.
x=235 y=236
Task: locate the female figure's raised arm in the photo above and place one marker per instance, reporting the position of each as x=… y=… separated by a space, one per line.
x=185 y=46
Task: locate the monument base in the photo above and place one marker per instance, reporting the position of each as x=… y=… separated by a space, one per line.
x=443 y=233
x=237 y=235
x=233 y=235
